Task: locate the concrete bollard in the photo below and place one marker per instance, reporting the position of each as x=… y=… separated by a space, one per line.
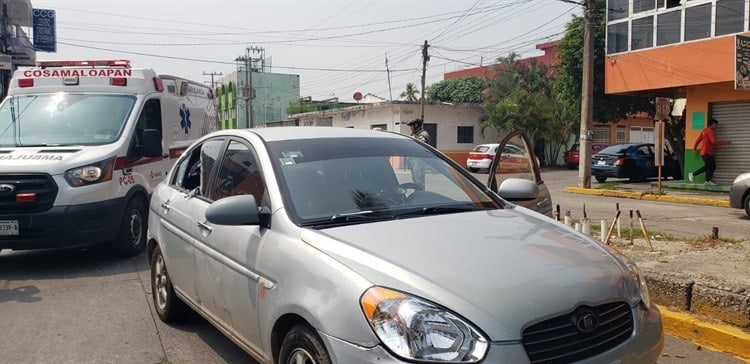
x=603 y=232
x=578 y=227
x=586 y=226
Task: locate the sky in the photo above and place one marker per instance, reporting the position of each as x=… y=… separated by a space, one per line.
x=338 y=47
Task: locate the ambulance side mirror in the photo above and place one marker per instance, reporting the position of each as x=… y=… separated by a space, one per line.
x=151 y=143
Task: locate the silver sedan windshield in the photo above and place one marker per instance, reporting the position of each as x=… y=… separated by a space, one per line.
x=353 y=179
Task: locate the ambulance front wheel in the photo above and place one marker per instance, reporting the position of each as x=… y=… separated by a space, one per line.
x=131 y=240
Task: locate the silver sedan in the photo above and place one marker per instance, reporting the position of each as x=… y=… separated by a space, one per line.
x=333 y=245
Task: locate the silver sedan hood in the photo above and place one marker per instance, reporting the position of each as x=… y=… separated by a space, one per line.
x=501 y=269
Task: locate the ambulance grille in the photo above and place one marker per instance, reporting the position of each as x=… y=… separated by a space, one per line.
x=40 y=184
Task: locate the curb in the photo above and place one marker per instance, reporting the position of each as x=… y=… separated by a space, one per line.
x=718 y=337
x=649 y=196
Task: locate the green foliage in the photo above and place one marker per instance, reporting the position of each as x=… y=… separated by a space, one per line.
x=570 y=51
x=521 y=96
x=411 y=92
x=297 y=107
x=458 y=90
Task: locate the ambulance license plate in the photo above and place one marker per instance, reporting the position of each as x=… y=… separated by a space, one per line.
x=8 y=227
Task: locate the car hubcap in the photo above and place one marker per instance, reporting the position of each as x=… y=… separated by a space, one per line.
x=160 y=283
x=301 y=356
x=135 y=227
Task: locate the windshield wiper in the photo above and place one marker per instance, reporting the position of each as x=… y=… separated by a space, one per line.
x=436 y=210
x=351 y=217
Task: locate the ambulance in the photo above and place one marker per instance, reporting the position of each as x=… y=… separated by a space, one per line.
x=83 y=144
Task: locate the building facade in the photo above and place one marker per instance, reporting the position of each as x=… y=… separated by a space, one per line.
x=454 y=129
x=17 y=49
x=272 y=94
x=687 y=49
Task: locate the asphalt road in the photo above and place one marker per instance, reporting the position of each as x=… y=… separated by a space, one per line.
x=82 y=306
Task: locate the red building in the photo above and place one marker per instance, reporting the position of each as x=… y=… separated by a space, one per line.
x=549 y=57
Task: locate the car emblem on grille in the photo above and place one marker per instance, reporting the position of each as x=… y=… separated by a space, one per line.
x=6 y=189
x=587 y=321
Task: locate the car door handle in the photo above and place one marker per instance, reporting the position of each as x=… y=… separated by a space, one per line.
x=166 y=206
x=203 y=225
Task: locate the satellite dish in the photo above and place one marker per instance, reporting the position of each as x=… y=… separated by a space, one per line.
x=357 y=96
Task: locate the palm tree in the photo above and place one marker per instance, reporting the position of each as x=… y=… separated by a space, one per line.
x=410 y=93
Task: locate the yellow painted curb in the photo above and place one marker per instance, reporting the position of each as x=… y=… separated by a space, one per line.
x=648 y=196
x=718 y=337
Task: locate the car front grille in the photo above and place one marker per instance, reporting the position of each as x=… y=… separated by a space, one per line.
x=576 y=336
x=40 y=184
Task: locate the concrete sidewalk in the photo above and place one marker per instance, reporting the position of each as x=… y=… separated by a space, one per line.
x=717 y=319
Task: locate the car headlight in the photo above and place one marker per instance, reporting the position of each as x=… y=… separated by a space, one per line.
x=415 y=329
x=90 y=174
x=639 y=279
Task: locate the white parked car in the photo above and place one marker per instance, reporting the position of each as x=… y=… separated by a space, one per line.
x=333 y=245
x=481 y=157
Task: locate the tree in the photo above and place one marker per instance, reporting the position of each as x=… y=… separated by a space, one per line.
x=521 y=96
x=458 y=90
x=410 y=93
x=607 y=108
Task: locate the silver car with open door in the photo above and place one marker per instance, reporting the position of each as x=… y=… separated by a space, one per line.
x=334 y=245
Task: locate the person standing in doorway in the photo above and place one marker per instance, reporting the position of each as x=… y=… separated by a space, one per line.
x=415 y=164
x=709 y=141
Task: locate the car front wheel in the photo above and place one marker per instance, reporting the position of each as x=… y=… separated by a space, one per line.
x=303 y=345
x=168 y=306
x=747 y=204
x=601 y=179
x=131 y=240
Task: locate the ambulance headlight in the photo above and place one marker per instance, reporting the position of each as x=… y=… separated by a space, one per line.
x=91 y=174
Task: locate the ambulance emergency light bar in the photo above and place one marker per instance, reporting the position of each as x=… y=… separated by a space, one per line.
x=89 y=63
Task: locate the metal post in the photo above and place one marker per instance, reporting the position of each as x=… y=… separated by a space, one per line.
x=587 y=102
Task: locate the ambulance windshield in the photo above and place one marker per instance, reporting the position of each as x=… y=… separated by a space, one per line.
x=63 y=119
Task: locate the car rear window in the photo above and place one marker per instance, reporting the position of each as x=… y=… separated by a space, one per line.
x=615 y=149
x=480 y=148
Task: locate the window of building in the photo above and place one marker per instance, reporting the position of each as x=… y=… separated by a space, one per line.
x=698 y=22
x=643 y=33
x=643 y=5
x=601 y=133
x=465 y=134
x=668 y=28
x=618 y=9
x=379 y=127
x=617 y=37
x=669 y=3
x=730 y=16
x=622 y=136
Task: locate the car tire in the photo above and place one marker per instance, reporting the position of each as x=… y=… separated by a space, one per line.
x=601 y=179
x=572 y=166
x=747 y=204
x=168 y=306
x=473 y=170
x=303 y=345
x=131 y=240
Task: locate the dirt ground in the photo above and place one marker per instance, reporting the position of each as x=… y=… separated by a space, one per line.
x=715 y=263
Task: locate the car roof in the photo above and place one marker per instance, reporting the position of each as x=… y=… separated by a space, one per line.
x=310 y=132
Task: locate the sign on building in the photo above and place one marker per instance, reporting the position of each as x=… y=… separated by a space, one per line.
x=43 y=21
x=742 y=64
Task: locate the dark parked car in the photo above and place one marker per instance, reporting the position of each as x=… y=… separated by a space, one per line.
x=573 y=154
x=634 y=161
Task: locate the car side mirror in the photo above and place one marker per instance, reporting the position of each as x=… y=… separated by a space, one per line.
x=151 y=143
x=234 y=210
x=518 y=189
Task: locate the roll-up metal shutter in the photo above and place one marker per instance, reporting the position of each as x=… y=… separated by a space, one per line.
x=734 y=125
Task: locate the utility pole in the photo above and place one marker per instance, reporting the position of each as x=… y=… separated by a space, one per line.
x=388 y=72
x=212 y=74
x=425 y=58
x=587 y=96
x=248 y=92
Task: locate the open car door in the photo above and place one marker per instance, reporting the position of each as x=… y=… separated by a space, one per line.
x=514 y=174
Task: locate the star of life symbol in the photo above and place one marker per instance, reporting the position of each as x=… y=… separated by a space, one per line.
x=185 y=118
